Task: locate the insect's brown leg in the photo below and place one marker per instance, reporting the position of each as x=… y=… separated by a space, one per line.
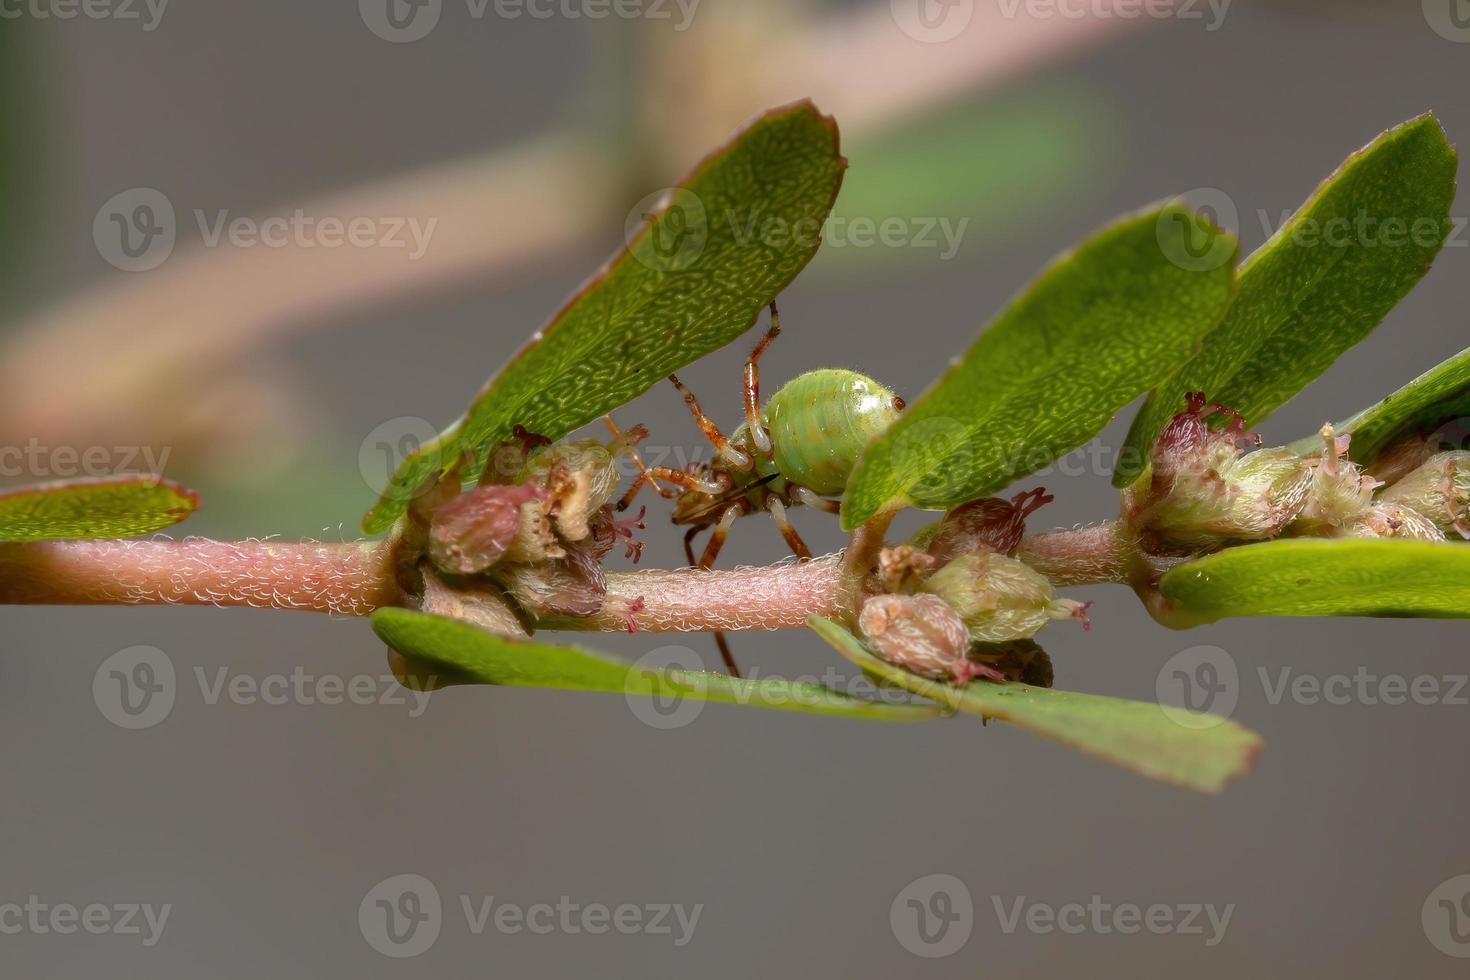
x=735 y=457
x=688 y=481
x=793 y=540
x=707 y=561
x=808 y=498
x=758 y=434
x=643 y=475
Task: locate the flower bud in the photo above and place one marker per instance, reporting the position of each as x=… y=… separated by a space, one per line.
x=923 y=635
x=570 y=586
x=987 y=523
x=473 y=531
x=1340 y=493
x=900 y=567
x=1247 y=497
x=1439 y=490
x=1204 y=489
x=1000 y=598
x=1391 y=521
x=580 y=475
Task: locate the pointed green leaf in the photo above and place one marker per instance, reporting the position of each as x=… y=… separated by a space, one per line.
x=1186 y=748
x=1102 y=325
x=468 y=653
x=693 y=278
x=1437 y=396
x=1316 y=577
x=1320 y=284
x=109 y=507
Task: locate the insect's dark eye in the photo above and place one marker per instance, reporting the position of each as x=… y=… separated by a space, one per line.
x=898 y=404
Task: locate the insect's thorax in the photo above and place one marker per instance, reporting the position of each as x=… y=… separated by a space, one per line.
x=821 y=421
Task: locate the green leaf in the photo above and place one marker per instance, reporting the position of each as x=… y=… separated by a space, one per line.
x=1440 y=395
x=1102 y=325
x=1186 y=748
x=1319 y=285
x=468 y=653
x=693 y=278
x=1316 y=577
x=109 y=507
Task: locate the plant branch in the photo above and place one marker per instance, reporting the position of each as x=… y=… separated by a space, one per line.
x=349 y=578
x=354 y=578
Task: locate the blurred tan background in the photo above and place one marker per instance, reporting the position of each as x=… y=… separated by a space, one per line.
x=269 y=376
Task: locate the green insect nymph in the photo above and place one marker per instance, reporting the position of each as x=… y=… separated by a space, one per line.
x=799 y=449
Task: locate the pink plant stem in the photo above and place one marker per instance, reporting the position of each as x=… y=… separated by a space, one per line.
x=349 y=579
x=689 y=600
x=355 y=578
x=1093 y=555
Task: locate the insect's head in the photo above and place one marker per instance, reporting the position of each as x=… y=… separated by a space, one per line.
x=704 y=507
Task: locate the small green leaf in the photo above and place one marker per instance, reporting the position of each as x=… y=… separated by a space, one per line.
x=1182 y=747
x=694 y=277
x=1320 y=284
x=1316 y=577
x=109 y=507
x=1440 y=395
x=1102 y=325
x=468 y=653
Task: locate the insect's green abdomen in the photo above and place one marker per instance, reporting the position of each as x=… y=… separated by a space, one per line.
x=821 y=421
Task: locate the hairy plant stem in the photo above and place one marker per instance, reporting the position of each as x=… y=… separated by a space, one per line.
x=354 y=578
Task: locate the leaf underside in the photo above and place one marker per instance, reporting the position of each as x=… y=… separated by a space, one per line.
x=1318 y=286
x=108 y=507
x=693 y=278
x=1316 y=577
x=469 y=654
x=1103 y=324
x=1439 y=395
x=1136 y=735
